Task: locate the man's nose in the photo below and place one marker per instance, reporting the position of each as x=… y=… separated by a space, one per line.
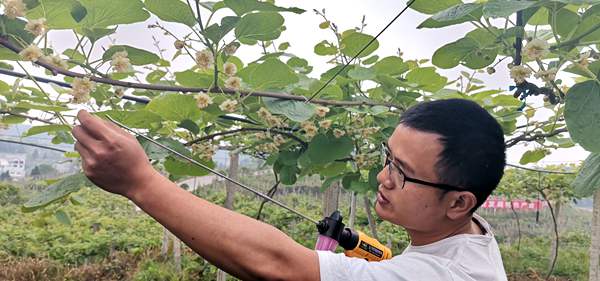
x=383 y=177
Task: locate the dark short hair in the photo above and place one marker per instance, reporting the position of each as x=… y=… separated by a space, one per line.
x=474 y=153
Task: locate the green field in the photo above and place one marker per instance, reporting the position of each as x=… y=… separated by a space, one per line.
x=107 y=239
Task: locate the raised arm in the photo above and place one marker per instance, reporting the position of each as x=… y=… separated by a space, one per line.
x=242 y=246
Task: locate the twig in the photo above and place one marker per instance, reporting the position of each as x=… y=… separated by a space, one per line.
x=555 y=227
x=26 y=116
x=526 y=137
x=36 y=145
x=224 y=133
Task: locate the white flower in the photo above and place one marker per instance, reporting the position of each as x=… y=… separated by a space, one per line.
x=204 y=150
x=325 y=124
x=233 y=83
x=310 y=130
x=56 y=61
x=263 y=113
x=274 y=121
x=548 y=75
x=204 y=59
x=203 y=100
x=338 y=133
x=31 y=53
x=14 y=8
x=584 y=59
x=229 y=69
x=322 y=111
x=536 y=49
x=119 y=92
x=81 y=88
x=120 y=62
x=261 y=136
x=37 y=27
x=519 y=73
x=229 y=105
x=230 y=49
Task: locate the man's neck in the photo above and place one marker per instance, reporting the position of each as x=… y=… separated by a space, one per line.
x=469 y=226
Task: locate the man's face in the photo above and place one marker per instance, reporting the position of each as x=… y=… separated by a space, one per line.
x=415 y=207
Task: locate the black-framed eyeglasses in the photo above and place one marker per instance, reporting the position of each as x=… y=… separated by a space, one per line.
x=399 y=178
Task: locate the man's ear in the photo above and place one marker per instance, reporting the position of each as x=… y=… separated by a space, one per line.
x=461 y=204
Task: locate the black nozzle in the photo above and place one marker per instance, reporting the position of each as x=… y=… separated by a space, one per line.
x=331 y=226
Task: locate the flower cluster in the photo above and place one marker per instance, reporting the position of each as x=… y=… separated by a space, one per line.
x=519 y=73
x=120 y=62
x=56 y=61
x=31 y=53
x=270 y=119
x=230 y=49
x=81 y=88
x=234 y=83
x=204 y=150
x=14 y=8
x=368 y=132
x=536 y=49
x=338 y=133
x=268 y=147
x=203 y=100
x=325 y=124
x=229 y=69
x=548 y=75
x=364 y=161
x=204 y=59
x=37 y=27
x=229 y=105
x=322 y=111
x=310 y=130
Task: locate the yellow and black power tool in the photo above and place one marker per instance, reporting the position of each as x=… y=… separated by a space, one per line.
x=332 y=232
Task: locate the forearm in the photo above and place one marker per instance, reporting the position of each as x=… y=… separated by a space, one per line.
x=242 y=246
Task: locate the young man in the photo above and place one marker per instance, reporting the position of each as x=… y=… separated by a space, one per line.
x=442 y=162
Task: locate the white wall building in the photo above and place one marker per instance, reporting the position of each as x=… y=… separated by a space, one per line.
x=14 y=164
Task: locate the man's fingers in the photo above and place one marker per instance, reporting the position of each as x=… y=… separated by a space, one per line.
x=83 y=137
x=116 y=128
x=94 y=126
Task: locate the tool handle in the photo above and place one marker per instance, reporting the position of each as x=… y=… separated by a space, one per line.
x=369 y=248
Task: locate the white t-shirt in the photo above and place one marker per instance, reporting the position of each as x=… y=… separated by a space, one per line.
x=463 y=257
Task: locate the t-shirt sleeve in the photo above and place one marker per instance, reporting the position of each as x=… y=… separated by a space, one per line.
x=338 y=267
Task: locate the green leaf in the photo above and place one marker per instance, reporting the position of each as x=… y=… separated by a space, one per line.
x=432 y=7
x=361 y=73
x=390 y=66
x=57 y=13
x=56 y=192
x=467 y=51
x=505 y=8
x=216 y=32
x=175 y=107
x=427 y=79
x=582 y=114
x=588 y=180
x=135 y=55
x=431 y=23
x=262 y=26
x=190 y=126
x=456 y=12
x=294 y=110
x=132 y=118
x=324 y=48
x=156 y=152
x=271 y=74
x=353 y=42
x=179 y=167
x=171 y=11
x=565 y=21
x=327 y=148
x=45 y=129
x=241 y=7
x=105 y=13
x=95 y=34
x=533 y=156
x=190 y=78
x=62 y=217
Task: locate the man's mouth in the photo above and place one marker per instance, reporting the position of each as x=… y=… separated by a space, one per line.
x=381 y=199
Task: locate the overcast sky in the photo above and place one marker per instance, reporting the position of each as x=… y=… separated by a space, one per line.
x=303 y=33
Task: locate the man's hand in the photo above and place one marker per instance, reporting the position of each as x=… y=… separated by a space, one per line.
x=111 y=158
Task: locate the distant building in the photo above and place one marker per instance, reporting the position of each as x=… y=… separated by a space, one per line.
x=14 y=164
